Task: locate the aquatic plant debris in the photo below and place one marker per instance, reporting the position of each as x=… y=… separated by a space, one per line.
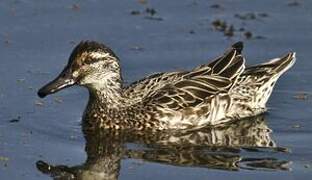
x=301 y=96
x=192 y=32
x=296 y=126
x=148 y=12
x=222 y=26
x=293 y=3
x=250 y=16
x=136 y=48
x=247 y=16
x=6 y=38
x=15 y=120
x=142 y=1
x=39 y=103
x=135 y=12
x=3 y=158
x=75 y=7
x=229 y=32
x=219 y=25
x=58 y=100
x=248 y=34
x=229 y=29
x=20 y=80
x=216 y=6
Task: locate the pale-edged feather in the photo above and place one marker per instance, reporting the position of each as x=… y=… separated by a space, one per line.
x=274 y=66
x=199 y=85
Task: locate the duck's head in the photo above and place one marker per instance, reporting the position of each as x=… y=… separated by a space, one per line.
x=90 y=64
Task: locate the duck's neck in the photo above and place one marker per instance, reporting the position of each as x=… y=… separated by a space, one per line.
x=108 y=95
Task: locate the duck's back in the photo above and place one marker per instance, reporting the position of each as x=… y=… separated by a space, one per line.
x=218 y=92
x=189 y=99
x=141 y=89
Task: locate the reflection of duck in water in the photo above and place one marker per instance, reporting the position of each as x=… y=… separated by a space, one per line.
x=239 y=145
x=207 y=95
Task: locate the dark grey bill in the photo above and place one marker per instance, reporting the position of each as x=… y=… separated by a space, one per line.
x=61 y=82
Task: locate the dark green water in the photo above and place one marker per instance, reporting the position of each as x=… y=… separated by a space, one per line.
x=36 y=38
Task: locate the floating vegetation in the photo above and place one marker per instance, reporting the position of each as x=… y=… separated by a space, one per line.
x=136 y=48
x=75 y=7
x=251 y=16
x=260 y=37
x=6 y=38
x=297 y=126
x=192 y=31
x=154 y=18
x=58 y=100
x=301 y=96
x=142 y=1
x=241 y=29
x=72 y=42
x=263 y=15
x=39 y=103
x=222 y=26
x=247 y=16
x=229 y=32
x=15 y=120
x=293 y=3
x=148 y=12
x=3 y=158
x=216 y=6
x=135 y=12
x=219 y=25
x=7 y=42
x=229 y=29
x=20 y=80
x=248 y=34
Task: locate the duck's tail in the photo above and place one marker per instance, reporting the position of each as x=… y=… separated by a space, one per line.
x=256 y=83
x=274 y=67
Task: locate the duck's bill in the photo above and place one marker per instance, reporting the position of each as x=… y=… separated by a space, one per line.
x=56 y=85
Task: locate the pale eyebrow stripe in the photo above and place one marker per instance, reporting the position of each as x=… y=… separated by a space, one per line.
x=98 y=55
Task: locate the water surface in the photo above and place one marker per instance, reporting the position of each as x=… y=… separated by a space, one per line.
x=36 y=38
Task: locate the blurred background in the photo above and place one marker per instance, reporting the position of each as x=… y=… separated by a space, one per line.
x=36 y=39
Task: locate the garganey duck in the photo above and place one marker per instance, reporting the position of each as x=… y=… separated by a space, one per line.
x=211 y=94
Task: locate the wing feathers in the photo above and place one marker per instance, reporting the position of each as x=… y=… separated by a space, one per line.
x=218 y=81
x=224 y=62
x=235 y=68
x=275 y=66
x=202 y=83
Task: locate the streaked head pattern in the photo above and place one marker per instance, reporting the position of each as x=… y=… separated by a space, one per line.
x=90 y=64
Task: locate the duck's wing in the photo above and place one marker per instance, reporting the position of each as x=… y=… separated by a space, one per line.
x=138 y=90
x=238 y=47
x=145 y=87
x=198 y=85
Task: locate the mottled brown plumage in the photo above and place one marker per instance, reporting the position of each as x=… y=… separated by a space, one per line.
x=218 y=92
